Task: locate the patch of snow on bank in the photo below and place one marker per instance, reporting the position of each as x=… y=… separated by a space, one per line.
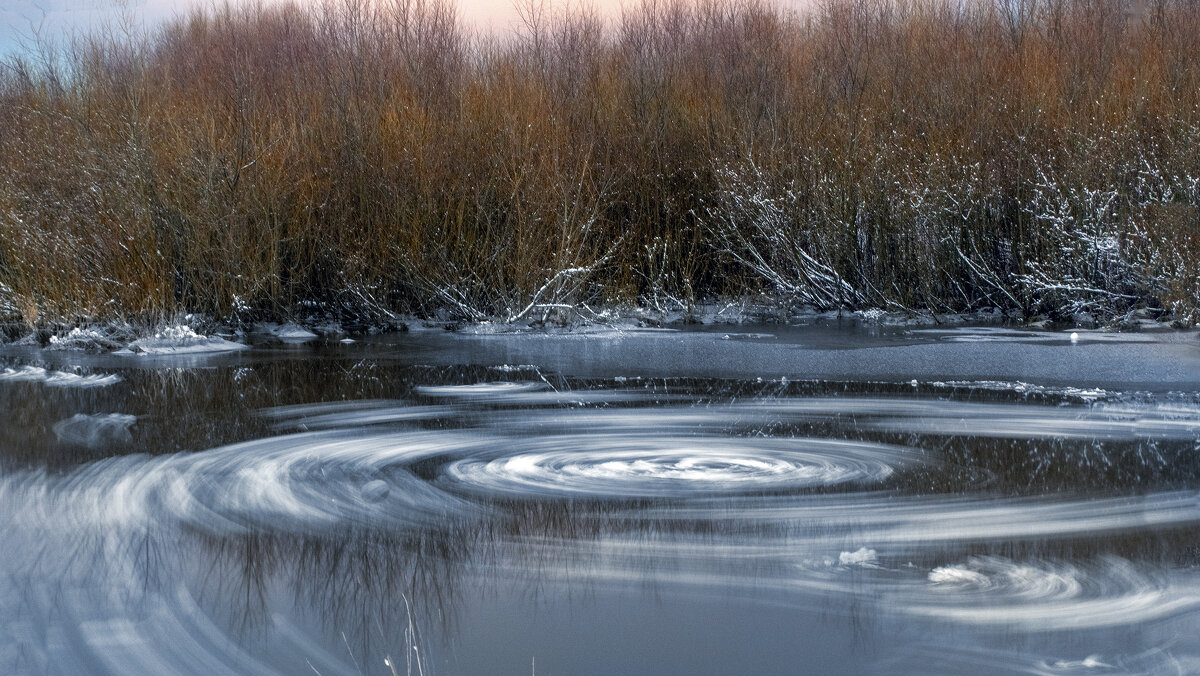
x=37 y=374
x=82 y=339
x=179 y=339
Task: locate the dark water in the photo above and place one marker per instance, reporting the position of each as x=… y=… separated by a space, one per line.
x=817 y=500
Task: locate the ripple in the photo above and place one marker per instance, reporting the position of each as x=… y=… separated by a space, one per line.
x=1118 y=422
x=350 y=414
x=302 y=483
x=922 y=521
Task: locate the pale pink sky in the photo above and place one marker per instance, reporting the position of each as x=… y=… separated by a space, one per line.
x=57 y=18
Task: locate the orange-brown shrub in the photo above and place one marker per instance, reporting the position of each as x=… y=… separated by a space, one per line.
x=367 y=156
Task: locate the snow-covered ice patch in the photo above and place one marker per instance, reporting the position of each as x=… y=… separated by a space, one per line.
x=179 y=339
x=874 y=314
x=290 y=332
x=37 y=374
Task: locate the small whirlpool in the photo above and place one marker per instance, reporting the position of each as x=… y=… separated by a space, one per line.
x=632 y=465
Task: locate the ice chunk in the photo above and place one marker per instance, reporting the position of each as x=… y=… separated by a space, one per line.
x=179 y=339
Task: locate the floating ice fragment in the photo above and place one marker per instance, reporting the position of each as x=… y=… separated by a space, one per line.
x=37 y=374
x=1089 y=662
x=957 y=575
x=861 y=557
x=290 y=332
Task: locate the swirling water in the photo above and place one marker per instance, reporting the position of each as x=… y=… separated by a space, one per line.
x=818 y=500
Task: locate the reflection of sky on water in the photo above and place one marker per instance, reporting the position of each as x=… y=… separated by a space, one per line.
x=287 y=510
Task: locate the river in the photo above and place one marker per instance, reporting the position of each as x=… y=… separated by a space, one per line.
x=826 y=499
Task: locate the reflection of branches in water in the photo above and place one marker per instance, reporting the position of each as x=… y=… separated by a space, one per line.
x=241 y=574
x=365 y=571
x=189 y=409
x=358 y=582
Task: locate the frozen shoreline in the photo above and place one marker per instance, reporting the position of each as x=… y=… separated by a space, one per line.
x=196 y=334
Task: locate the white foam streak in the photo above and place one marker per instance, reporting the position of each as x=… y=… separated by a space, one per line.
x=351 y=414
x=929 y=520
x=996 y=420
x=37 y=374
x=298 y=483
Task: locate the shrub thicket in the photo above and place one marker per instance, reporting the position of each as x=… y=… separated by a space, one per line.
x=375 y=155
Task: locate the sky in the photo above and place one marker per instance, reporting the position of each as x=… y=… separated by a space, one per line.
x=22 y=20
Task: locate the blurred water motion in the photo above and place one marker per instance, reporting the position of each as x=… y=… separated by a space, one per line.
x=341 y=511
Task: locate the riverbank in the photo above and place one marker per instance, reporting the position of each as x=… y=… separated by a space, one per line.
x=194 y=334
x=366 y=162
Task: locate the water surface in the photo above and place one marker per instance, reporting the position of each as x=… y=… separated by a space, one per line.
x=822 y=499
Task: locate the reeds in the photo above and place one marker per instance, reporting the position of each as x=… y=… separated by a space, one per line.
x=374 y=156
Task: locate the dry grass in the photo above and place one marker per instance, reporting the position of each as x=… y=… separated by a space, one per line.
x=375 y=156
